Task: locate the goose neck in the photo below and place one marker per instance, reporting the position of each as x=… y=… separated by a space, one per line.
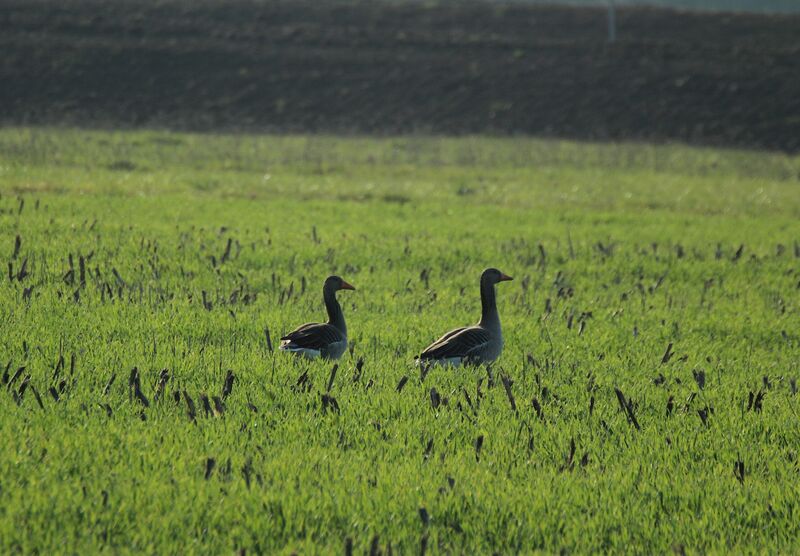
x=489 y=315
x=335 y=315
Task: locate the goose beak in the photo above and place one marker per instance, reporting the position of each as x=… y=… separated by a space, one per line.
x=505 y=277
x=346 y=286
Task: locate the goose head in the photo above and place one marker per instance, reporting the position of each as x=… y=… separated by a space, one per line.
x=492 y=276
x=336 y=283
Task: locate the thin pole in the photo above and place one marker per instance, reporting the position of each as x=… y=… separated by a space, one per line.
x=612 y=22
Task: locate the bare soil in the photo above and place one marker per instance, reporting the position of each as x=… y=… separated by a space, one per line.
x=380 y=68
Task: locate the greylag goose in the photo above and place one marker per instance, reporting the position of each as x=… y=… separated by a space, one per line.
x=322 y=339
x=477 y=344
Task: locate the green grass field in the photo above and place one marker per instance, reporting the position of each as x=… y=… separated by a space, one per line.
x=160 y=251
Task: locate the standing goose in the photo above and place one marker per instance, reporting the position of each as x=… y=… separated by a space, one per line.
x=477 y=344
x=322 y=339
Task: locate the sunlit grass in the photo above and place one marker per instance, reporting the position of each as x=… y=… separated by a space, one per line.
x=617 y=251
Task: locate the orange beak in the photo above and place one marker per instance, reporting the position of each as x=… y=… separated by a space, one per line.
x=505 y=277
x=346 y=286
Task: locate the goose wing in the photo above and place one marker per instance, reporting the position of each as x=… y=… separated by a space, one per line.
x=315 y=335
x=461 y=343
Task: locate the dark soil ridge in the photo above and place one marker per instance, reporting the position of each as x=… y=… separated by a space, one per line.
x=379 y=68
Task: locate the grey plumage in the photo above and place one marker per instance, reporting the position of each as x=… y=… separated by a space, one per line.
x=477 y=344
x=322 y=339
